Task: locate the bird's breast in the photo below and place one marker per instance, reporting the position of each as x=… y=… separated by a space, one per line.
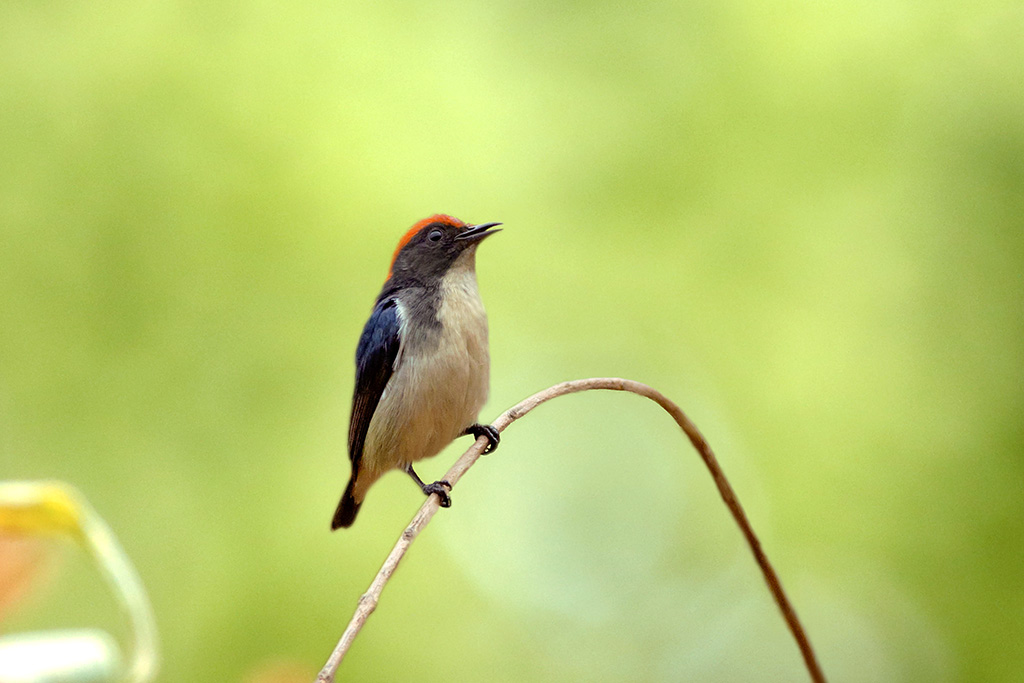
x=441 y=379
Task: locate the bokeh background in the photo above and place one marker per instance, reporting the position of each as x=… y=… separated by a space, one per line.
x=801 y=221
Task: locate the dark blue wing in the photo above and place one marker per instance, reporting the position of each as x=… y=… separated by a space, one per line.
x=375 y=361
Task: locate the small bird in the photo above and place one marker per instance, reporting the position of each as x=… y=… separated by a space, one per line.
x=422 y=364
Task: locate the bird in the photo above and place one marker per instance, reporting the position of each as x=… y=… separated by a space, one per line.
x=422 y=361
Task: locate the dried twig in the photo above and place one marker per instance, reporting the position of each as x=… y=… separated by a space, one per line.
x=368 y=601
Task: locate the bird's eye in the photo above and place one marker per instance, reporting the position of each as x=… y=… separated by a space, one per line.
x=435 y=236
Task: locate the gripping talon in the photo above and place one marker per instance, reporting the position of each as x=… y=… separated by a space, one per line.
x=478 y=430
x=441 y=488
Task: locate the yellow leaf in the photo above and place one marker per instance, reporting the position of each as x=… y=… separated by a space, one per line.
x=39 y=508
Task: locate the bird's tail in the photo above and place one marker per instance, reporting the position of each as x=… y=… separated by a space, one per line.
x=348 y=508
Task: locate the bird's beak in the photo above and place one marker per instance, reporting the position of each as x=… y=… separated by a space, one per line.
x=475 y=233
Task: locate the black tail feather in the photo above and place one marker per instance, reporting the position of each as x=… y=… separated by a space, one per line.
x=348 y=508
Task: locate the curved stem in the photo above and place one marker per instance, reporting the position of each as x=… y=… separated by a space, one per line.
x=368 y=601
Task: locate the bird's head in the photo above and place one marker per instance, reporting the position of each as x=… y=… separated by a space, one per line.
x=429 y=249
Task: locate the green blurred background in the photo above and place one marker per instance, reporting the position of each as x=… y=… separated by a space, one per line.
x=802 y=221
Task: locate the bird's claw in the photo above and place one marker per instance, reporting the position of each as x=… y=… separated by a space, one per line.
x=441 y=488
x=493 y=437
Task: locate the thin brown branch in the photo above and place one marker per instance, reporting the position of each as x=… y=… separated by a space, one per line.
x=368 y=601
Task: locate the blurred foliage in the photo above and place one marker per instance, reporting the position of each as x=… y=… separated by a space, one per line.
x=51 y=510
x=802 y=222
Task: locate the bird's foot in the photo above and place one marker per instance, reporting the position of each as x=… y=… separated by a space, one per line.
x=441 y=488
x=478 y=430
